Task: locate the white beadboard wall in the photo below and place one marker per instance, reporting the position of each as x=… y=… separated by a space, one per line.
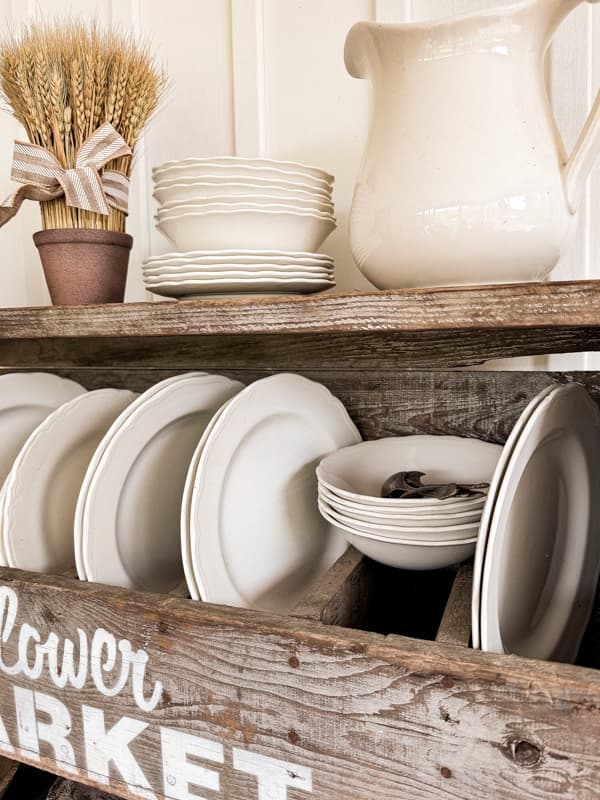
x=267 y=77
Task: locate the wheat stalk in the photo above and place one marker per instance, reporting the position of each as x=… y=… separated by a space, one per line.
x=62 y=80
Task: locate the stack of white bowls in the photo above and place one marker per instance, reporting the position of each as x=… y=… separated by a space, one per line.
x=249 y=226
x=415 y=534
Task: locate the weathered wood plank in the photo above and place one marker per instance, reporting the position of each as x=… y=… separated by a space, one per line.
x=483 y=405
x=336 y=713
x=455 y=626
x=340 y=596
x=382 y=350
x=518 y=306
x=68 y=790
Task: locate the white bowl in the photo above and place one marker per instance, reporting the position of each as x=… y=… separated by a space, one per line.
x=441 y=533
x=402 y=554
x=190 y=189
x=230 y=172
x=232 y=208
x=250 y=229
x=263 y=200
x=252 y=182
x=357 y=473
x=247 y=163
x=388 y=516
x=249 y=269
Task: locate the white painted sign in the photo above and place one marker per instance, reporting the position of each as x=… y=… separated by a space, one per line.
x=190 y=764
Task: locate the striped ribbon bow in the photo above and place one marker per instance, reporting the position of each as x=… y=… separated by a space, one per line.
x=87 y=186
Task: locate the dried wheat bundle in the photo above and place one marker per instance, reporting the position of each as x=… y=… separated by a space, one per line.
x=62 y=80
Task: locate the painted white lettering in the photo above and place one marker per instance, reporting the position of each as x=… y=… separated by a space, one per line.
x=139 y=661
x=179 y=773
x=67 y=674
x=103 y=747
x=26 y=725
x=9 y=604
x=274 y=777
x=110 y=664
x=27 y=635
x=104 y=659
x=32 y=731
x=5 y=745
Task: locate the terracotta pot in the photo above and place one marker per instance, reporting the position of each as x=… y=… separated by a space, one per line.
x=84 y=266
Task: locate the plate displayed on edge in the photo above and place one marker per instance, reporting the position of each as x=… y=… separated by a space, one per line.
x=132 y=510
x=488 y=511
x=186 y=505
x=257 y=536
x=25 y=400
x=543 y=555
x=41 y=490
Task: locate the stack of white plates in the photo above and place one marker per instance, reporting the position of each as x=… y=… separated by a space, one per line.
x=538 y=555
x=220 y=211
x=409 y=533
x=249 y=272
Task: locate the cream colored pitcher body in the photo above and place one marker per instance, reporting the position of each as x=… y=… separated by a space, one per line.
x=465 y=178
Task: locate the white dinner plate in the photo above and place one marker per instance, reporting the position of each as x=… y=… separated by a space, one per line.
x=190 y=190
x=186 y=506
x=543 y=555
x=246 y=163
x=200 y=288
x=488 y=510
x=249 y=270
x=43 y=485
x=381 y=530
x=254 y=180
x=25 y=400
x=95 y=460
x=394 y=516
x=241 y=257
x=285 y=275
x=132 y=509
x=257 y=536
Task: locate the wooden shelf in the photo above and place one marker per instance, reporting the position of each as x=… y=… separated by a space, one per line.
x=518 y=306
x=415 y=328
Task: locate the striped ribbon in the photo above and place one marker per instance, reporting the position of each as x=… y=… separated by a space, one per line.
x=88 y=186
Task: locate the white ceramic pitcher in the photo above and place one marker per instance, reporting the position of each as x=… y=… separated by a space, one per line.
x=465 y=179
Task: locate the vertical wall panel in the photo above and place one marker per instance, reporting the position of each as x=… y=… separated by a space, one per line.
x=193 y=38
x=317 y=113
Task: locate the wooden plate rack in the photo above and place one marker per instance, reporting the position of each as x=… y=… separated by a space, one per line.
x=368 y=690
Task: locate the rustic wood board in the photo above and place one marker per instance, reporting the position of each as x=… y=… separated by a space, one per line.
x=382 y=350
x=517 y=306
x=484 y=405
x=286 y=706
x=455 y=626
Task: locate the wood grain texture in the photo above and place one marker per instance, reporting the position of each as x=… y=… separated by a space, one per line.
x=371 y=716
x=69 y=790
x=492 y=308
x=340 y=596
x=455 y=626
x=484 y=405
x=381 y=350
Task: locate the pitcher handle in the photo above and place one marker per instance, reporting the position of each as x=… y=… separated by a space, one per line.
x=582 y=159
x=358 y=50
